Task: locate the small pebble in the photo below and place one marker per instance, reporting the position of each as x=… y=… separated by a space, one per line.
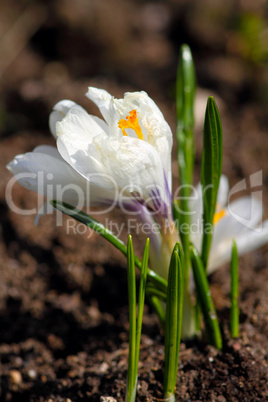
x=18 y=361
x=94 y=313
x=236 y=346
x=32 y=374
x=103 y=368
x=15 y=377
x=107 y=399
x=43 y=378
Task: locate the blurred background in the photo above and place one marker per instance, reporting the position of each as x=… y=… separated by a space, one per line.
x=52 y=50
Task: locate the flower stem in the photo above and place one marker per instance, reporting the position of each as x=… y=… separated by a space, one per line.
x=173 y=323
x=234 y=319
x=132 y=375
x=135 y=324
x=143 y=279
x=205 y=300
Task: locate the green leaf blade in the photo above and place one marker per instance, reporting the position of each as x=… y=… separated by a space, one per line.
x=205 y=300
x=185 y=95
x=173 y=322
x=185 y=88
x=234 y=319
x=210 y=172
x=132 y=375
x=143 y=280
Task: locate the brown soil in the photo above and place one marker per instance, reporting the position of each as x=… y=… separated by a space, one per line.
x=63 y=298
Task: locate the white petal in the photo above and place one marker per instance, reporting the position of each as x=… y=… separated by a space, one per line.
x=54 y=178
x=103 y=100
x=253 y=239
x=195 y=207
x=59 y=112
x=196 y=201
x=46 y=172
x=49 y=150
x=196 y=204
x=249 y=241
x=80 y=127
x=75 y=137
x=219 y=255
x=247 y=211
x=223 y=192
x=242 y=214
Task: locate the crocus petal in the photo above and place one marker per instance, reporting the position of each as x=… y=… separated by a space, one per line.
x=196 y=201
x=242 y=214
x=59 y=112
x=196 y=204
x=239 y=222
x=223 y=192
x=247 y=242
x=48 y=150
x=75 y=137
x=45 y=172
x=103 y=100
x=80 y=124
x=253 y=239
x=247 y=210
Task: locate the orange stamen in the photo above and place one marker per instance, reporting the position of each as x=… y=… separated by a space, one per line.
x=218 y=216
x=132 y=122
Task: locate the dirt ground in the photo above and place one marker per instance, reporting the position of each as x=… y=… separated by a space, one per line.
x=63 y=297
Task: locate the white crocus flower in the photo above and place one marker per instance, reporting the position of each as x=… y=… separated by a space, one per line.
x=130 y=147
x=122 y=160
x=240 y=220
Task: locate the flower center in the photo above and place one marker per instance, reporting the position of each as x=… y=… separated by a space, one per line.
x=218 y=216
x=131 y=121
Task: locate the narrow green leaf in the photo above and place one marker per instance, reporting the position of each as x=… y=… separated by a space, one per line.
x=185 y=89
x=151 y=290
x=234 y=320
x=210 y=172
x=132 y=375
x=173 y=323
x=185 y=94
x=108 y=235
x=158 y=308
x=143 y=279
x=179 y=300
x=205 y=300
